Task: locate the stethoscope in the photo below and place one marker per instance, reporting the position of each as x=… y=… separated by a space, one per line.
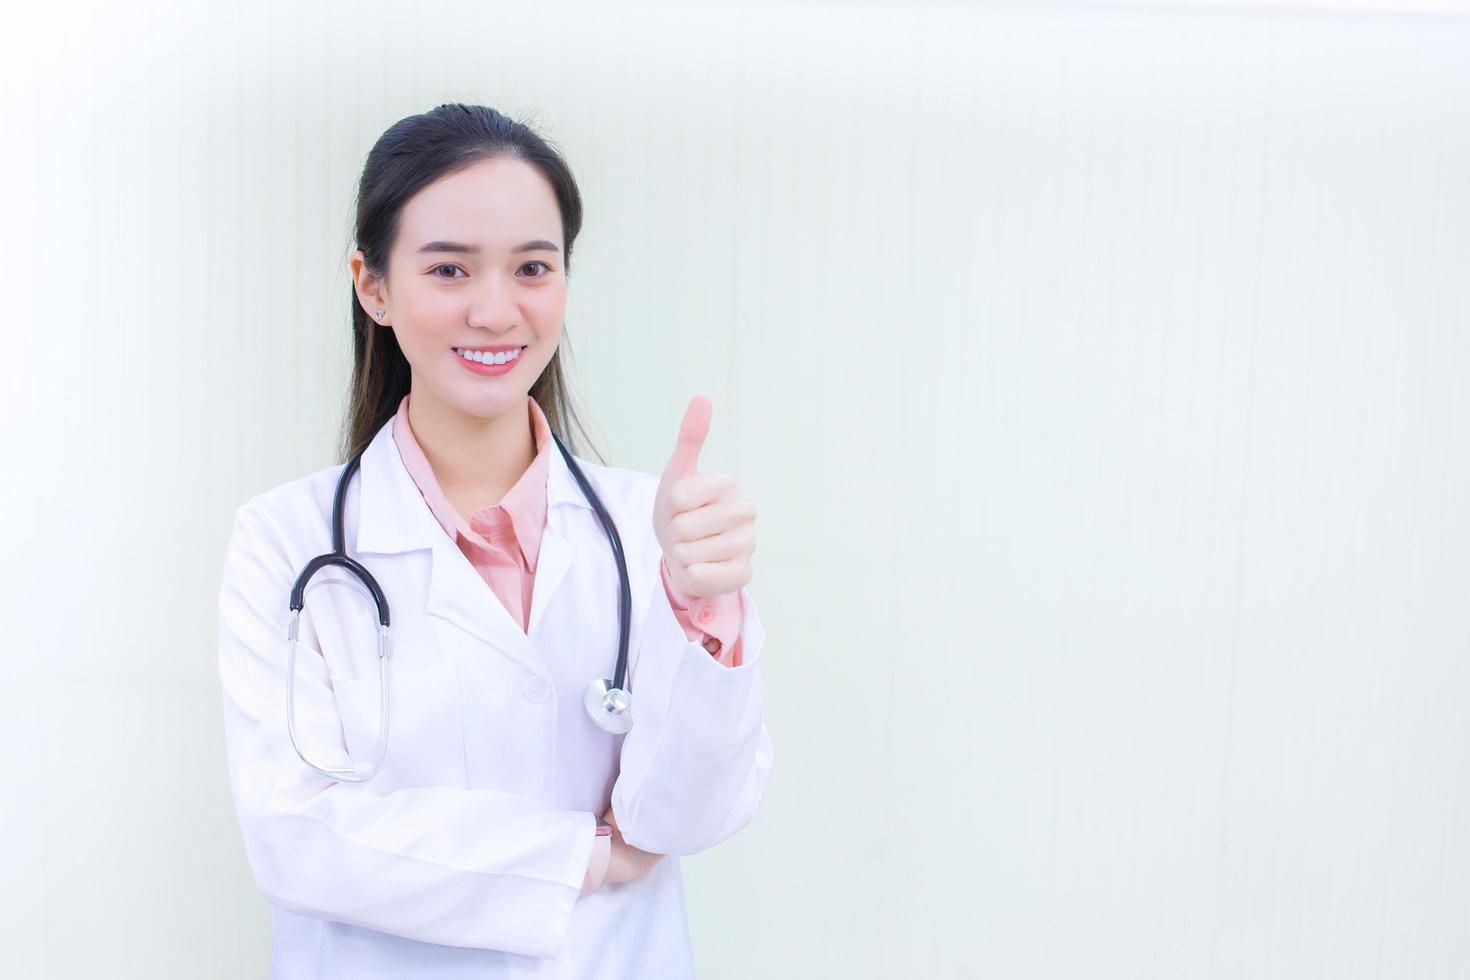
x=606 y=701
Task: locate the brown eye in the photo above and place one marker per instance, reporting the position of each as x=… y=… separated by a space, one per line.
x=541 y=264
x=447 y=265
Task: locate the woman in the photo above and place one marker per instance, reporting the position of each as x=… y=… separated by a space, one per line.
x=504 y=832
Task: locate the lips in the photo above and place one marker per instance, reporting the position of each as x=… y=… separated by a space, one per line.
x=488 y=369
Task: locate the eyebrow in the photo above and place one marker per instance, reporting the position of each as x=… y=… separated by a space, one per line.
x=538 y=245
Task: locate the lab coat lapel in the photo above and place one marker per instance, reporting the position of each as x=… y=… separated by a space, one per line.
x=551 y=566
x=564 y=499
x=395 y=519
x=392 y=515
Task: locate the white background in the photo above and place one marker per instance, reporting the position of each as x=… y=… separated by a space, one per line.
x=1099 y=371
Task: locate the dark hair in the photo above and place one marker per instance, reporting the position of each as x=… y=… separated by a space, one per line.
x=413 y=153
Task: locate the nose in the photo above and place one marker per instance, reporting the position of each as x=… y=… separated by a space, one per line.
x=493 y=305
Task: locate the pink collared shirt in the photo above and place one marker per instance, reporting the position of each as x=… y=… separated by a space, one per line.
x=503 y=540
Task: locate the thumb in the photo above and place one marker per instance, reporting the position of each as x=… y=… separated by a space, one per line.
x=692 y=432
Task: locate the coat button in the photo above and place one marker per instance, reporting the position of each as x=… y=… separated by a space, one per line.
x=537 y=689
x=706 y=614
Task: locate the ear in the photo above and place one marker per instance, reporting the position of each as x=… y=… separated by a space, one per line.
x=372 y=291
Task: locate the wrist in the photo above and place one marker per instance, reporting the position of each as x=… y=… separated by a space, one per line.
x=600 y=859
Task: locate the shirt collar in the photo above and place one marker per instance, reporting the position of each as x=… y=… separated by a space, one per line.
x=524 y=505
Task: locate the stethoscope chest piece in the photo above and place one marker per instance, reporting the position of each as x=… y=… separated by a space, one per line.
x=609 y=706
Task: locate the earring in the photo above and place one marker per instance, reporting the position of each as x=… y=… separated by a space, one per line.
x=378 y=315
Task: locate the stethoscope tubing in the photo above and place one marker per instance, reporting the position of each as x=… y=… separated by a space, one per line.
x=625 y=589
x=608 y=707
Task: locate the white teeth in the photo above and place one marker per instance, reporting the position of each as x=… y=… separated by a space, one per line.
x=481 y=357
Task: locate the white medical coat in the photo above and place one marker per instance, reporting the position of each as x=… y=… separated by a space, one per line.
x=464 y=855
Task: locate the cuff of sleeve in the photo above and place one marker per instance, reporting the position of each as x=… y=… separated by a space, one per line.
x=719 y=617
x=597 y=866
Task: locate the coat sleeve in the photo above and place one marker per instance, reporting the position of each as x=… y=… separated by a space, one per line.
x=440 y=864
x=694 y=765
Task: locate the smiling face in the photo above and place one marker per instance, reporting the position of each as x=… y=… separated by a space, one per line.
x=476 y=264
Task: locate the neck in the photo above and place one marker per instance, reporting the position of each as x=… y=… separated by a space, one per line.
x=473 y=458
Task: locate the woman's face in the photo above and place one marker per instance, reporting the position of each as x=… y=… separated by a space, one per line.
x=477 y=263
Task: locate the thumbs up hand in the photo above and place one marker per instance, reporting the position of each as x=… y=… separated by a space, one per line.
x=705 y=528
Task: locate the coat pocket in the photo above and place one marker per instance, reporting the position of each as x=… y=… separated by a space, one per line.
x=425 y=725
